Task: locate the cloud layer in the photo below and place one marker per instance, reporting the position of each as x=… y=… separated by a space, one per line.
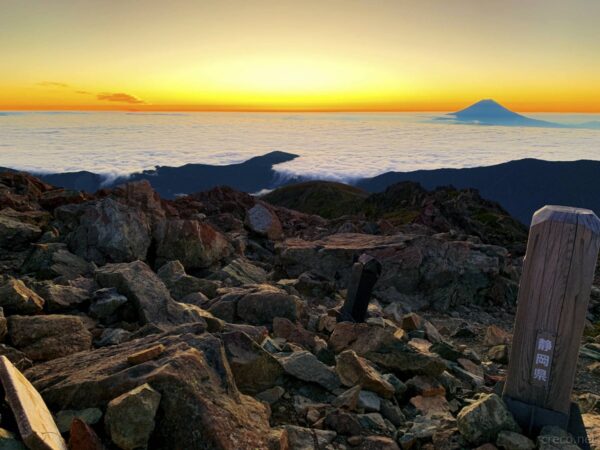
x=119 y=97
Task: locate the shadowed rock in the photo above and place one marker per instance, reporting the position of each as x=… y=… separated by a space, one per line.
x=148 y=293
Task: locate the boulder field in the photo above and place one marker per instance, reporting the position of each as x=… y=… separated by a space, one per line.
x=212 y=321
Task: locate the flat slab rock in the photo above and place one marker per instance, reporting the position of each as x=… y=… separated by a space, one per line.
x=36 y=425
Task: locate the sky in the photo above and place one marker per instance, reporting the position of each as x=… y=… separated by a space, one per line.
x=314 y=55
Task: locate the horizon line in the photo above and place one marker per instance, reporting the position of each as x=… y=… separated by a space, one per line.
x=183 y=109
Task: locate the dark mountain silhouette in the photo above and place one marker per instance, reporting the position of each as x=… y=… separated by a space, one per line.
x=249 y=176
x=490 y=112
x=521 y=187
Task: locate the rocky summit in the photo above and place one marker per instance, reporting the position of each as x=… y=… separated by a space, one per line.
x=215 y=320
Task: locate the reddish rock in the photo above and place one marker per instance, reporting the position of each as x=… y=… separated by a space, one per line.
x=146 y=354
x=83 y=437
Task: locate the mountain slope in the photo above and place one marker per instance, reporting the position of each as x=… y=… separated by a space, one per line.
x=324 y=198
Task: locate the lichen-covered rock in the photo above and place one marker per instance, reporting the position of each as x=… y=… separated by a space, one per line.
x=482 y=420
x=130 y=417
x=43 y=338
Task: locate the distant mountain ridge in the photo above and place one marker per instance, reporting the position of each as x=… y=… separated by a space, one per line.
x=249 y=176
x=521 y=186
x=490 y=112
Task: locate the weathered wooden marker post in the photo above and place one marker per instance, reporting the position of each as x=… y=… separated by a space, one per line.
x=558 y=271
x=365 y=273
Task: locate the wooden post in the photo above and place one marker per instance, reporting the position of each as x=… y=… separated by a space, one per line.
x=365 y=273
x=558 y=271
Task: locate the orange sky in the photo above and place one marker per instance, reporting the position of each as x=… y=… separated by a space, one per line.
x=384 y=55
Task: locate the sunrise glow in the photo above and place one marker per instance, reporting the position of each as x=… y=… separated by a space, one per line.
x=306 y=56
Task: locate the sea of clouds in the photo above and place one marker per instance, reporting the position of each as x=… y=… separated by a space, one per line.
x=331 y=145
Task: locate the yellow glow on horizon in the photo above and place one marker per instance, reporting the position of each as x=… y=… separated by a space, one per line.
x=337 y=55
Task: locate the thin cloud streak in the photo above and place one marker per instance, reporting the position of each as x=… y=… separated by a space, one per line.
x=55 y=84
x=119 y=97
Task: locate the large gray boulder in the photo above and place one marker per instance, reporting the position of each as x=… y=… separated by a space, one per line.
x=110 y=231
